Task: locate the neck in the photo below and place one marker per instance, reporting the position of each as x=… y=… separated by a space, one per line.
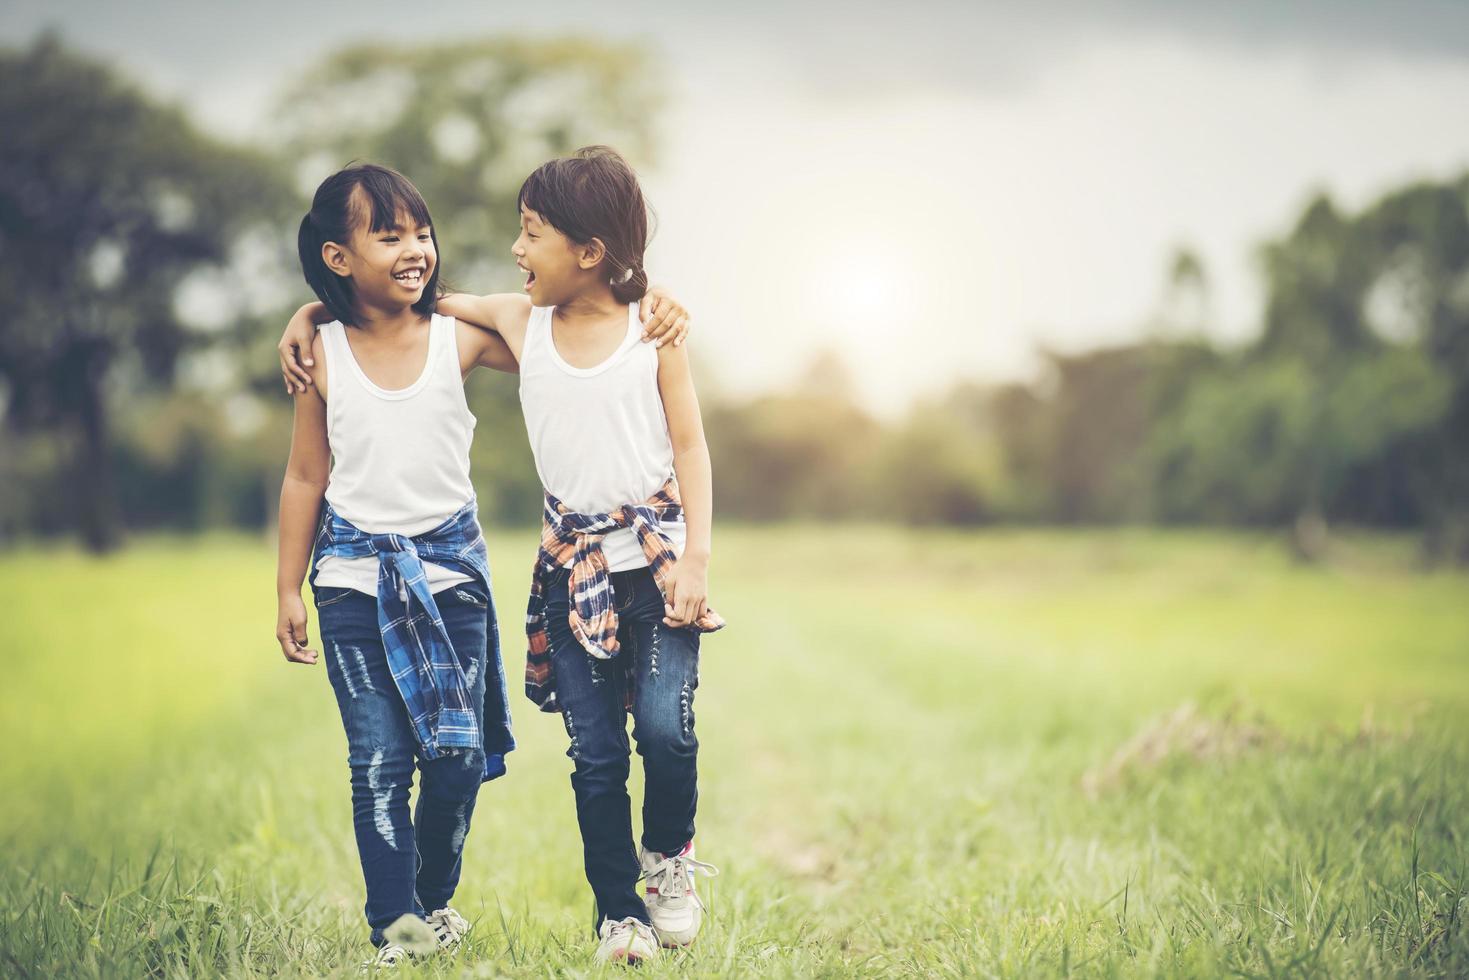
x=385 y=320
x=596 y=303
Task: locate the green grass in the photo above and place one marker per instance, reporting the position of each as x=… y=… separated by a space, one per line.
x=922 y=753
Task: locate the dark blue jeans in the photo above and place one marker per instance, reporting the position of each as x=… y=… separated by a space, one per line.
x=410 y=866
x=665 y=673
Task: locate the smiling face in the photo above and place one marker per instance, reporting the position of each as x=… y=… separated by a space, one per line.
x=557 y=269
x=389 y=266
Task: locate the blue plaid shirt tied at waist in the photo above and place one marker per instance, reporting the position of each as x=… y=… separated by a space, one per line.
x=429 y=673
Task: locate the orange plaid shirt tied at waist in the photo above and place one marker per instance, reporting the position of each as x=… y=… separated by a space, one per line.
x=576 y=539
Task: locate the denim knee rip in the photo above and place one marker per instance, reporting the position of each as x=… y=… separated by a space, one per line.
x=566 y=715
x=382 y=795
x=686 y=710
x=461 y=827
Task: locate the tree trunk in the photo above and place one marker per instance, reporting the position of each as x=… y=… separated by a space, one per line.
x=1309 y=535
x=97 y=516
x=1446 y=539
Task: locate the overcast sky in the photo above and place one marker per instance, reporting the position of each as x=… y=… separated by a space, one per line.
x=932 y=188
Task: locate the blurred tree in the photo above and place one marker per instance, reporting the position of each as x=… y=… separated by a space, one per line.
x=1365 y=389
x=1023 y=427
x=108 y=202
x=805 y=453
x=467 y=122
x=1316 y=279
x=1184 y=309
x=1354 y=366
x=1253 y=439
x=942 y=464
x=1418 y=298
x=1100 y=414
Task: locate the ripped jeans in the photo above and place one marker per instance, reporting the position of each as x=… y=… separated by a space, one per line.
x=410 y=866
x=591 y=692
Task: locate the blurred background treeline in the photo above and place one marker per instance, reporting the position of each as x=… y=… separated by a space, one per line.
x=147 y=269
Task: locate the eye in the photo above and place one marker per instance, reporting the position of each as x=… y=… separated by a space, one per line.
x=424 y=238
x=390 y=238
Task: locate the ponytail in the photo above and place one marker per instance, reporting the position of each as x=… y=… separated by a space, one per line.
x=631 y=285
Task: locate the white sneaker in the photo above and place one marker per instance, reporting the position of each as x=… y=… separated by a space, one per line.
x=628 y=941
x=449 y=927
x=672 y=900
x=388 y=957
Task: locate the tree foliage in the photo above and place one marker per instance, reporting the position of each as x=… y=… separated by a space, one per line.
x=107 y=202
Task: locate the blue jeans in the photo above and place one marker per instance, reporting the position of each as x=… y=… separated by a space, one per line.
x=409 y=865
x=591 y=692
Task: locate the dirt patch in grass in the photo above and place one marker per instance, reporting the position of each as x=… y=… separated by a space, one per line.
x=1186 y=733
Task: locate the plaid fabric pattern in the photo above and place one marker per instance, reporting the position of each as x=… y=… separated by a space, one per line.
x=428 y=671
x=567 y=536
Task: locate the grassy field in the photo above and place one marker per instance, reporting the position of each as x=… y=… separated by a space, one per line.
x=1015 y=753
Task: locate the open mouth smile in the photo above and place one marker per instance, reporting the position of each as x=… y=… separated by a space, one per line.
x=410 y=277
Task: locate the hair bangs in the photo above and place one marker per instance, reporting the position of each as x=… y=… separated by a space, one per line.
x=391 y=200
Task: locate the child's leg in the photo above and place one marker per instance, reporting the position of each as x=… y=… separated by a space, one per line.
x=380 y=752
x=666 y=672
x=450 y=785
x=591 y=693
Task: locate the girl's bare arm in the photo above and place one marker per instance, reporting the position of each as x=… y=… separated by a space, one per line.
x=501 y=319
x=689 y=595
x=302 y=492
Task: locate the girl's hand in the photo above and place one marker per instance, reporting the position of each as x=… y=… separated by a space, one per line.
x=290 y=630
x=688 y=591
x=664 y=318
x=295 y=343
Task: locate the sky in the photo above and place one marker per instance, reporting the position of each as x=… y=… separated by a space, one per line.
x=934 y=190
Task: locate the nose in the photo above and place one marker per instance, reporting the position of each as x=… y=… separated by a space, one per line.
x=517 y=249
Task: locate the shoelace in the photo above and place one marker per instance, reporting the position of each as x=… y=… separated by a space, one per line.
x=448 y=925
x=671 y=875
x=626 y=929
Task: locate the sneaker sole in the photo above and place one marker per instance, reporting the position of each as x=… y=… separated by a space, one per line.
x=670 y=942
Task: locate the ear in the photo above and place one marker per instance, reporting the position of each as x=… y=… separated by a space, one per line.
x=590 y=255
x=335 y=257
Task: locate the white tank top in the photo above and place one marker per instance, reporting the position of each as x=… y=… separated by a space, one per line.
x=400 y=458
x=599 y=434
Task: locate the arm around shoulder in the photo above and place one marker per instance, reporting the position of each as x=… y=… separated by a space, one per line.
x=482 y=348
x=504 y=313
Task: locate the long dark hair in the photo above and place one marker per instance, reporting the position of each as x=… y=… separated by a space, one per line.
x=333 y=217
x=594 y=193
